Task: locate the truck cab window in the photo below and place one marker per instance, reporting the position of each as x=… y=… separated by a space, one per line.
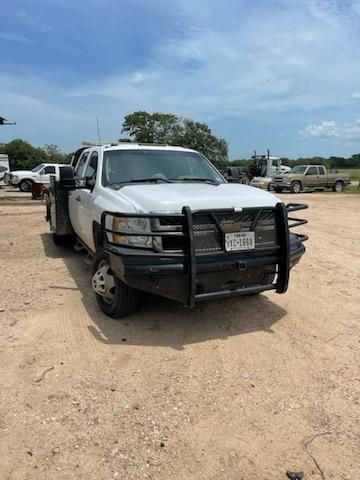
x=91 y=168
x=49 y=170
x=321 y=170
x=312 y=171
x=80 y=166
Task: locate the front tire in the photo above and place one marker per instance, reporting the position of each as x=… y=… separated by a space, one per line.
x=338 y=186
x=25 y=186
x=115 y=298
x=295 y=187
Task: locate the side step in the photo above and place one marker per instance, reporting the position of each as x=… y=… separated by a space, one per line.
x=81 y=247
x=89 y=259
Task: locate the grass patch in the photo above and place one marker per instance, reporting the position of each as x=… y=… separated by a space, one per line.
x=351 y=189
x=353 y=172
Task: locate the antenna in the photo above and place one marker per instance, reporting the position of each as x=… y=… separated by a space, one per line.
x=98 y=130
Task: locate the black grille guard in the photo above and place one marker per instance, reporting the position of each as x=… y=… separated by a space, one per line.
x=283 y=224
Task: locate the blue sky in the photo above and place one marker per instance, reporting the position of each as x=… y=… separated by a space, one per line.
x=278 y=74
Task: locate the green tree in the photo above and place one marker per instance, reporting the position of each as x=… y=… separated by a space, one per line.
x=55 y=155
x=166 y=128
x=22 y=155
x=144 y=127
x=198 y=136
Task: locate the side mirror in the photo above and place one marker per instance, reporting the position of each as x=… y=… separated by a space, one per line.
x=67 y=177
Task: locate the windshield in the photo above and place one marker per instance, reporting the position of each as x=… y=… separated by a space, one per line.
x=37 y=168
x=298 y=169
x=123 y=166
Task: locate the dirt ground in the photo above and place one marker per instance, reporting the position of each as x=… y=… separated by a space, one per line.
x=242 y=388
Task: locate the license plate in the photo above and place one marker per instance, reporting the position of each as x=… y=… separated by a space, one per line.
x=239 y=241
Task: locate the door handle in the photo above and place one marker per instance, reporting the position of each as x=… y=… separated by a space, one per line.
x=78 y=198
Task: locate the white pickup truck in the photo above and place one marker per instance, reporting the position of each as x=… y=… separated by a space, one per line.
x=40 y=174
x=162 y=219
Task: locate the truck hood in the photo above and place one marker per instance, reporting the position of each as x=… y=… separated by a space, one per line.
x=24 y=173
x=290 y=176
x=173 y=197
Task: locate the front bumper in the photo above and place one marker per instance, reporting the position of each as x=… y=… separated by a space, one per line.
x=14 y=182
x=279 y=185
x=189 y=278
x=263 y=183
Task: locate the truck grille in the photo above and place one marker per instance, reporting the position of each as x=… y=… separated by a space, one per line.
x=208 y=236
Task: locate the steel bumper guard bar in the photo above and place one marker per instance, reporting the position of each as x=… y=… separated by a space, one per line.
x=283 y=224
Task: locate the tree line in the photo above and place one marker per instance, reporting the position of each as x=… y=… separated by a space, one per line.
x=140 y=127
x=24 y=156
x=330 y=162
x=161 y=128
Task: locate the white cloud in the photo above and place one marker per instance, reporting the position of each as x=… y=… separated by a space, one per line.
x=270 y=57
x=291 y=56
x=348 y=131
x=138 y=78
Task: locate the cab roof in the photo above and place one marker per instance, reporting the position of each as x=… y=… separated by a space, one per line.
x=106 y=146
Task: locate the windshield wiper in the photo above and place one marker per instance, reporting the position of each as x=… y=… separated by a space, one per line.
x=197 y=179
x=148 y=179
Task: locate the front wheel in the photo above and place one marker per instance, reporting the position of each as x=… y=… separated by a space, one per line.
x=338 y=186
x=25 y=186
x=295 y=187
x=114 y=297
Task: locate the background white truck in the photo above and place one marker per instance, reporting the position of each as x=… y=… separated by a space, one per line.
x=259 y=173
x=162 y=219
x=40 y=174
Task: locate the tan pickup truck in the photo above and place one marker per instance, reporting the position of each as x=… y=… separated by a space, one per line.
x=313 y=176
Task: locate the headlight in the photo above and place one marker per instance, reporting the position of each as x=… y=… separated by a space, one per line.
x=128 y=225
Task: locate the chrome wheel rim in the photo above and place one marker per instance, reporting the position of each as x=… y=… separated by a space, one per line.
x=296 y=188
x=103 y=282
x=338 y=187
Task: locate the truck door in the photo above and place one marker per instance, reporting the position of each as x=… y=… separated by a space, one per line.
x=75 y=195
x=273 y=167
x=311 y=177
x=44 y=174
x=322 y=177
x=86 y=209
